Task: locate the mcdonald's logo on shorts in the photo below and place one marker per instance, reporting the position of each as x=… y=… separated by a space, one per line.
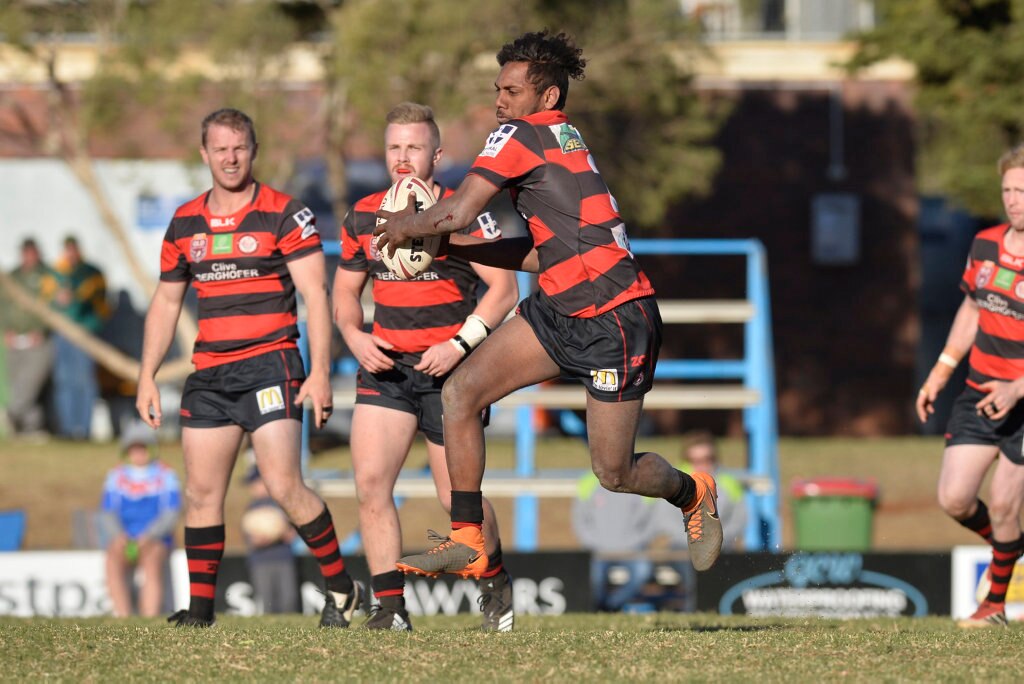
x=606 y=379
x=270 y=399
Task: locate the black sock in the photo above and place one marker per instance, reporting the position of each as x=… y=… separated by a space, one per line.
x=687 y=490
x=979 y=522
x=204 y=548
x=494 y=563
x=323 y=543
x=467 y=509
x=389 y=585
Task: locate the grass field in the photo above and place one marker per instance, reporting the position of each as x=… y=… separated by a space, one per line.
x=54 y=479
x=589 y=648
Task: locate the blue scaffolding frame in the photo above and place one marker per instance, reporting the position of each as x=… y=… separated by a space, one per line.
x=755 y=370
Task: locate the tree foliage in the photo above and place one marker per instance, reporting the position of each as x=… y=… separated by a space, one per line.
x=636 y=107
x=969 y=56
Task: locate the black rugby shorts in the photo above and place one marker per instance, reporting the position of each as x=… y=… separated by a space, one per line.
x=612 y=354
x=250 y=393
x=405 y=389
x=967 y=427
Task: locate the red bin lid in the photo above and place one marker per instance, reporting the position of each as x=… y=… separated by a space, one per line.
x=835 y=486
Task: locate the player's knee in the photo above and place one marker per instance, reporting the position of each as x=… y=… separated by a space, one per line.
x=1002 y=511
x=611 y=478
x=374 y=496
x=458 y=398
x=198 y=497
x=955 y=504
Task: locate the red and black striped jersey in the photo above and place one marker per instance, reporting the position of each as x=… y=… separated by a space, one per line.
x=412 y=314
x=238 y=265
x=586 y=267
x=995 y=279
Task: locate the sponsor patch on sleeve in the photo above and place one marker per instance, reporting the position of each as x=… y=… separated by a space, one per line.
x=497 y=139
x=307 y=221
x=489 y=228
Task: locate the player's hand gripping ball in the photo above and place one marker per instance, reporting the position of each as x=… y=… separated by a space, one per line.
x=414 y=256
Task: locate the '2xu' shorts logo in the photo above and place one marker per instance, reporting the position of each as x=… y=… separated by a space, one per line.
x=606 y=379
x=270 y=399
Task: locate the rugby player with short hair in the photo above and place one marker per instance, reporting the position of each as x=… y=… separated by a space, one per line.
x=422 y=329
x=246 y=249
x=987 y=422
x=595 y=317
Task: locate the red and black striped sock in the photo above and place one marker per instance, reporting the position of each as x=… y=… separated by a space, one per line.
x=467 y=509
x=204 y=547
x=323 y=543
x=494 y=563
x=979 y=522
x=389 y=587
x=1004 y=557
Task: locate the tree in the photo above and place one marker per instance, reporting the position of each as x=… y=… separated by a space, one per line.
x=239 y=48
x=636 y=106
x=969 y=56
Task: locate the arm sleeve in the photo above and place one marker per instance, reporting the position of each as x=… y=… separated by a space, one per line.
x=297 y=235
x=968 y=283
x=353 y=256
x=173 y=262
x=108 y=525
x=170 y=506
x=111 y=497
x=513 y=155
x=163 y=524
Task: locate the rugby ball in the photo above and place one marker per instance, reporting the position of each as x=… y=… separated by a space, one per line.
x=414 y=256
x=265 y=524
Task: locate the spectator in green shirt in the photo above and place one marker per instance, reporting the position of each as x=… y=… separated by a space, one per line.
x=80 y=293
x=28 y=348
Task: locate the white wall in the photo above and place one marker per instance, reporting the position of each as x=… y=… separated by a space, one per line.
x=41 y=198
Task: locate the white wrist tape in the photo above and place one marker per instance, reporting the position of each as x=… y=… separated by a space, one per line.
x=471 y=334
x=948 y=360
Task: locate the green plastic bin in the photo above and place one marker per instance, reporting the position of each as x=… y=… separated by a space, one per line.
x=834 y=513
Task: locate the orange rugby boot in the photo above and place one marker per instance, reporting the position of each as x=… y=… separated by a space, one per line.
x=703 y=526
x=460 y=554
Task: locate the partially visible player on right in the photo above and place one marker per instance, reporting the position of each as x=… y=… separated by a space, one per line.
x=987 y=423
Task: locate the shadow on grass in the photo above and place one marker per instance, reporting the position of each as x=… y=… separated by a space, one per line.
x=719 y=628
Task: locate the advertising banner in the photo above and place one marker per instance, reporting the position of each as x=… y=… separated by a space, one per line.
x=73 y=584
x=832 y=585
x=970 y=582
x=545 y=584
x=53 y=584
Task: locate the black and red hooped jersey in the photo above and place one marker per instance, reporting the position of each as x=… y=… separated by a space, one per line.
x=995 y=279
x=427 y=310
x=238 y=265
x=586 y=267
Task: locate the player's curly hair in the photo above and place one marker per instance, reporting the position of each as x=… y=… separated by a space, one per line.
x=553 y=60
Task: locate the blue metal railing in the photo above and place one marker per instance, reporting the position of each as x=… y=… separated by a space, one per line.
x=755 y=370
